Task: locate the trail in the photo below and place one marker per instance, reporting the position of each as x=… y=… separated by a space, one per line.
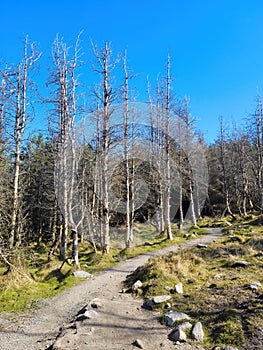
x=120 y=321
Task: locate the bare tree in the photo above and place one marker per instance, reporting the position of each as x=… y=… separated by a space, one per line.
x=105 y=67
x=65 y=82
x=17 y=81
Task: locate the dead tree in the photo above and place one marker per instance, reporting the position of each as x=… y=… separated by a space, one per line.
x=17 y=82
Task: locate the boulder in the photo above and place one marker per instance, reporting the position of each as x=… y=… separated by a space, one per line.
x=197 y=332
x=161 y=299
x=173 y=316
x=184 y=326
x=177 y=335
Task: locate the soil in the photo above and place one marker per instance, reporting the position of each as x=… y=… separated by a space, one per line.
x=120 y=321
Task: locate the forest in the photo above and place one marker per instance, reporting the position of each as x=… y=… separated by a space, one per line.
x=107 y=160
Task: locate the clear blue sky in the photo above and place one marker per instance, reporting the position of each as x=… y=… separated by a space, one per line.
x=216 y=46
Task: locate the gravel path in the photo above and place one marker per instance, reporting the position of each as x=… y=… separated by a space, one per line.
x=121 y=319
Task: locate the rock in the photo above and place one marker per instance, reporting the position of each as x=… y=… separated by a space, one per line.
x=173 y=316
x=82 y=274
x=184 y=326
x=228 y=223
x=136 y=286
x=148 y=305
x=138 y=343
x=87 y=315
x=241 y=263
x=161 y=299
x=255 y=285
x=200 y=245
x=177 y=335
x=197 y=332
x=219 y=275
x=187 y=235
x=179 y=288
x=96 y=304
x=230 y=348
x=168 y=288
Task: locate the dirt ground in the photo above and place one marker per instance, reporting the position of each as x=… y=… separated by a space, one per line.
x=120 y=319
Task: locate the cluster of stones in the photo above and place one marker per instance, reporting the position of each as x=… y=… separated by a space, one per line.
x=185 y=327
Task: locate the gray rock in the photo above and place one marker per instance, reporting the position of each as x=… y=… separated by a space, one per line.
x=96 y=303
x=255 y=285
x=82 y=274
x=230 y=348
x=136 y=285
x=168 y=288
x=228 y=223
x=138 y=343
x=87 y=315
x=173 y=316
x=241 y=263
x=149 y=304
x=177 y=335
x=179 y=288
x=161 y=299
x=184 y=326
x=187 y=235
x=197 y=332
x=200 y=245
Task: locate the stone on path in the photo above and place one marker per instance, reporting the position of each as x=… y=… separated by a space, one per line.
x=87 y=315
x=177 y=335
x=138 y=343
x=82 y=274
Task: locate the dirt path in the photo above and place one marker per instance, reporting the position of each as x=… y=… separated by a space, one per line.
x=120 y=320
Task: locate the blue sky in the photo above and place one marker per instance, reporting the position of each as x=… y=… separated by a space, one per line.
x=216 y=46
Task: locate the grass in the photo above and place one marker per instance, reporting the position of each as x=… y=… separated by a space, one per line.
x=214 y=292
x=34 y=277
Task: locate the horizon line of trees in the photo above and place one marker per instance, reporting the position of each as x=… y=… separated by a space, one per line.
x=113 y=179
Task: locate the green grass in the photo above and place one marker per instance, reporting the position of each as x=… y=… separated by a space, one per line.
x=34 y=277
x=214 y=292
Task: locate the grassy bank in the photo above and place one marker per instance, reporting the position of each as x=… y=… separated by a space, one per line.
x=216 y=290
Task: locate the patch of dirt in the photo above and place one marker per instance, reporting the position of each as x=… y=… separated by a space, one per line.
x=120 y=321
